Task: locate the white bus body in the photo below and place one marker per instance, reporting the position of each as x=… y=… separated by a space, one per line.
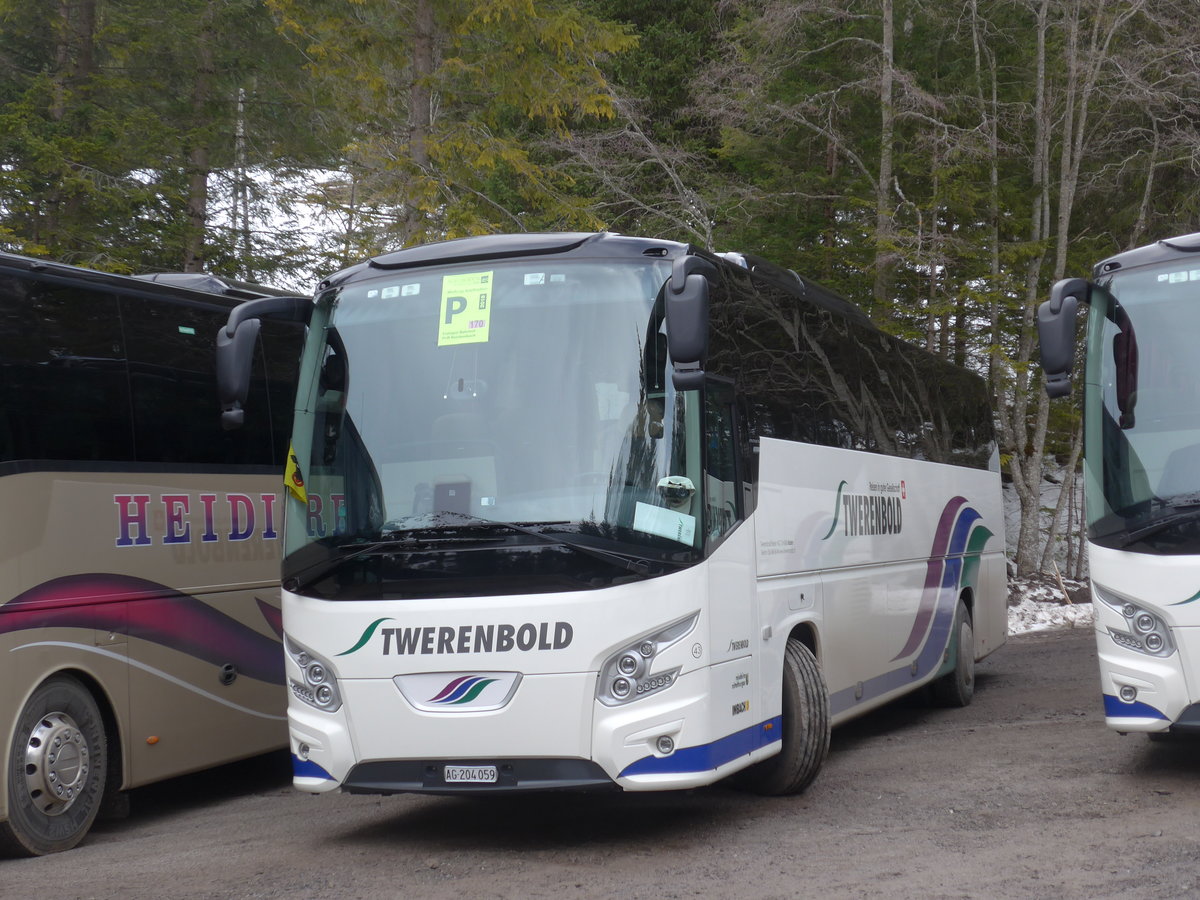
x=684 y=588
x=1141 y=475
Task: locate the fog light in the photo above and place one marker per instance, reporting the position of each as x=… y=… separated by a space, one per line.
x=303 y=751
x=1128 y=693
x=665 y=744
x=1154 y=641
x=620 y=687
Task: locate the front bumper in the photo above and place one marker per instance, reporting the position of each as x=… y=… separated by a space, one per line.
x=553 y=735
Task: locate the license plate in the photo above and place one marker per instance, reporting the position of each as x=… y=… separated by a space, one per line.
x=470 y=774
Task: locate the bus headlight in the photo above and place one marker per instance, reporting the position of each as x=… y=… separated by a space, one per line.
x=628 y=674
x=1146 y=632
x=319 y=687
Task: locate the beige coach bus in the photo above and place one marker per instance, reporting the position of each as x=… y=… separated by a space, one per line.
x=139 y=557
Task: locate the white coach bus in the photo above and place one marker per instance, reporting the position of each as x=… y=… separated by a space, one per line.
x=139 y=567
x=1141 y=474
x=590 y=511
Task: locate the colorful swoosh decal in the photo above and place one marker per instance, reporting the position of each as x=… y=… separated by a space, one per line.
x=367 y=634
x=837 y=511
x=462 y=690
x=953 y=565
x=165 y=676
x=1191 y=599
x=933 y=575
x=150 y=612
x=273 y=615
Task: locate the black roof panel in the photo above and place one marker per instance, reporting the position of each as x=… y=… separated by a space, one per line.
x=501 y=246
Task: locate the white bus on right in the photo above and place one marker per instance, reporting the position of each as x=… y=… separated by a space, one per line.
x=1141 y=407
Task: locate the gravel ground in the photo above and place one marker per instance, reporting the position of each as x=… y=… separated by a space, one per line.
x=1023 y=794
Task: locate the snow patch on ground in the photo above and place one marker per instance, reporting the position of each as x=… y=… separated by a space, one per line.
x=1030 y=615
x=1037 y=605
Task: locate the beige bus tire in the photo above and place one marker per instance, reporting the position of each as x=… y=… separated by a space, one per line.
x=957 y=687
x=805 y=729
x=56 y=770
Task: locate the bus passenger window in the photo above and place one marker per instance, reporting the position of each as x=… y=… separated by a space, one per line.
x=720 y=467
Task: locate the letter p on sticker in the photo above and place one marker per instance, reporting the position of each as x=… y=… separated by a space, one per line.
x=454 y=306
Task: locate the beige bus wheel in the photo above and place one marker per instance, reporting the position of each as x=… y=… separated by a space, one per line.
x=805 y=728
x=56 y=770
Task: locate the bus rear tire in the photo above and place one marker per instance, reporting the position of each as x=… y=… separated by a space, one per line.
x=957 y=687
x=56 y=771
x=805 y=729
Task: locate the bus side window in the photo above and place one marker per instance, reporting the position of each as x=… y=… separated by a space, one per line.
x=721 y=511
x=282 y=344
x=174 y=390
x=65 y=389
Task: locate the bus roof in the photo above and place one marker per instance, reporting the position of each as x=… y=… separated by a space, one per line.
x=502 y=246
x=174 y=283
x=1159 y=251
x=587 y=244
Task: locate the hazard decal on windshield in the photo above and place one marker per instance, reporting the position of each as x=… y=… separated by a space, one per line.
x=466 y=309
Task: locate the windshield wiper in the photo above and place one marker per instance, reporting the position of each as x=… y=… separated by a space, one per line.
x=629 y=562
x=1133 y=535
x=342 y=554
x=446 y=527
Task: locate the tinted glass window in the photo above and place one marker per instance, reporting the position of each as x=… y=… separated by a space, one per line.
x=63 y=389
x=172 y=378
x=813 y=373
x=281 y=345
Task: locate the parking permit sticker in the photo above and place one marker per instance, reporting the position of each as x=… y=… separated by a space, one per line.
x=466 y=309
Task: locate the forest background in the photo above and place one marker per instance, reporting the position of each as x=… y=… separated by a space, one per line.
x=939 y=162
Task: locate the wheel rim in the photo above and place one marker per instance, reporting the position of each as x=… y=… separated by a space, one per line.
x=57 y=762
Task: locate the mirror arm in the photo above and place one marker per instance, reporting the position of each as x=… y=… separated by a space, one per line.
x=236 y=341
x=1056 y=332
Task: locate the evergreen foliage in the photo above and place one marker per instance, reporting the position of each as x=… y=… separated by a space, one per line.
x=940 y=163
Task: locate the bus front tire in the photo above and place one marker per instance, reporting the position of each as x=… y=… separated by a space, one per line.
x=805 y=728
x=957 y=687
x=57 y=768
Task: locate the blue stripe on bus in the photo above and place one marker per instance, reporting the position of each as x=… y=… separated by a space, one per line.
x=707 y=757
x=1116 y=708
x=306 y=768
x=944 y=592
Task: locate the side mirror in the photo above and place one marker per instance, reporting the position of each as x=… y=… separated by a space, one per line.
x=235 y=358
x=686 y=310
x=235 y=349
x=1056 y=332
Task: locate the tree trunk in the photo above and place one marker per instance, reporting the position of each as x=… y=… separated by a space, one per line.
x=1064 y=496
x=1026 y=446
x=74 y=66
x=1139 y=228
x=198 y=160
x=988 y=102
x=887 y=125
x=420 y=116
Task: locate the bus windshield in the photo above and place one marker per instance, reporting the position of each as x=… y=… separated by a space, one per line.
x=531 y=392
x=1143 y=411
